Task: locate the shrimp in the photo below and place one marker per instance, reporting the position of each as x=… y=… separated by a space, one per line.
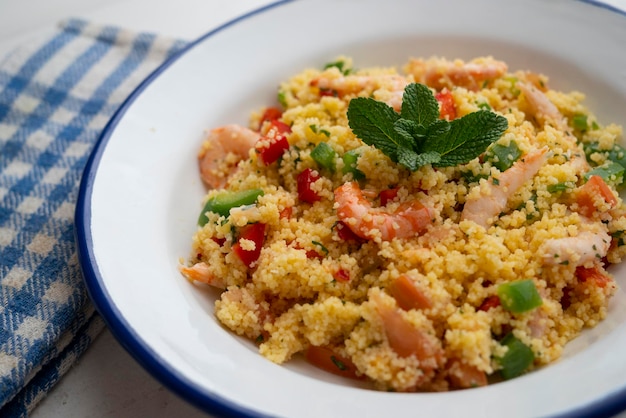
x=392 y=84
x=239 y=309
x=200 y=272
x=577 y=250
x=439 y=73
x=367 y=222
x=540 y=106
x=545 y=112
x=222 y=149
x=405 y=339
x=493 y=198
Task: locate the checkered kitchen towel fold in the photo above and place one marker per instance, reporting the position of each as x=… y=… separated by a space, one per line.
x=56 y=95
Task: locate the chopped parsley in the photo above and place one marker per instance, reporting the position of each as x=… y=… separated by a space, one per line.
x=322 y=247
x=340 y=364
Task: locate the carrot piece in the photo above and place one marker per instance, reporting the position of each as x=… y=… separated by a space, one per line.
x=463 y=375
x=589 y=192
x=327 y=359
x=407 y=295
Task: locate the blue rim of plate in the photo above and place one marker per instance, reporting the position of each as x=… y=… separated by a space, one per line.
x=149 y=360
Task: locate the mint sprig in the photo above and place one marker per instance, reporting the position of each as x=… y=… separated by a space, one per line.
x=416 y=136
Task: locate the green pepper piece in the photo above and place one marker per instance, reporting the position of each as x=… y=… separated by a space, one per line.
x=611 y=172
x=349 y=165
x=223 y=202
x=580 y=122
x=503 y=156
x=519 y=296
x=517 y=358
x=324 y=155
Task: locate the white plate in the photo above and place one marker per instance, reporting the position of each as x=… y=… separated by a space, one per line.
x=141 y=195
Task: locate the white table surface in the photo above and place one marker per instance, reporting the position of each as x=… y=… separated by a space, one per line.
x=107 y=382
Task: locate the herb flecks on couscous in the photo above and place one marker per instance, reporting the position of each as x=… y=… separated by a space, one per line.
x=436 y=228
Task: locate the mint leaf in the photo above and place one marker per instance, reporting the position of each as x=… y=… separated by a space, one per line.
x=437 y=128
x=416 y=136
x=409 y=158
x=373 y=122
x=419 y=104
x=467 y=138
x=410 y=131
x=413 y=160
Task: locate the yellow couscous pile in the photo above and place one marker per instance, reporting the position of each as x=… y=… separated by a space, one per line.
x=433 y=278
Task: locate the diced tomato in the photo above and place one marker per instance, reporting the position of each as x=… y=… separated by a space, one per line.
x=345 y=233
x=255 y=233
x=328 y=92
x=327 y=359
x=305 y=180
x=594 y=275
x=589 y=192
x=447 y=107
x=407 y=295
x=387 y=196
x=270 y=114
x=492 y=301
x=342 y=275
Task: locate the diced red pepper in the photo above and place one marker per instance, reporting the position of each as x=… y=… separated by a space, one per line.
x=593 y=274
x=286 y=213
x=492 y=301
x=342 y=275
x=447 y=107
x=345 y=233
x=273 y=144
x=280 y=127
x=312 y=254
x=566 y=299
x=270 y=114
x=219 y=241
x=270 y=149
x=387 y=196
x=588 y=193
x=255 y=233
x=305 y=179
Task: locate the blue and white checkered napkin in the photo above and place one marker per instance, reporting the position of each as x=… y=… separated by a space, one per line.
x=56 y=95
